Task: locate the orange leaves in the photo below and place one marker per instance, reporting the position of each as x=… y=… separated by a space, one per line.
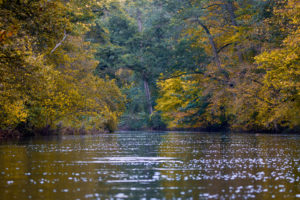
x=6 y=34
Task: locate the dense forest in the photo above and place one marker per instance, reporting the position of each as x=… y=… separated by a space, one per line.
x=100 y=65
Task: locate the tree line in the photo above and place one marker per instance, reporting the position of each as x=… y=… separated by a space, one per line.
x=150 y=64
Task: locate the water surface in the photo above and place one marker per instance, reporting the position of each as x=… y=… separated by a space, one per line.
x=144 y=165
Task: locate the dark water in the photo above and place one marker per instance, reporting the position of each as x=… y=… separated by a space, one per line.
x=141 y=165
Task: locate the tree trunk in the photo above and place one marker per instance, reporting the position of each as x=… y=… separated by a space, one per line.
x=146 y=84
x=139 y=20
x=148 y=96
x=213 y=45
x=218 y=62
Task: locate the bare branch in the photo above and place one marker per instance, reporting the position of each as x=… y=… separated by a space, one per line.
x=226 y=45
x=60 y=43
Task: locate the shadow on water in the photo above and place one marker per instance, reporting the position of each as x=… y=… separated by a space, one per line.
x=161 y=165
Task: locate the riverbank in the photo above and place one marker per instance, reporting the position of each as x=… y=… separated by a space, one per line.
x=213 y=130
x=23 y=133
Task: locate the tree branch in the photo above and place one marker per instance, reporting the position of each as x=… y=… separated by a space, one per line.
x=226 y=45
x=60 y=43
x=180 y=75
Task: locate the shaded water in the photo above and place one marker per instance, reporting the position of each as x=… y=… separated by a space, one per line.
x=141 y=165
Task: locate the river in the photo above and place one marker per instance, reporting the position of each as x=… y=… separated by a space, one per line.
x=151 y=165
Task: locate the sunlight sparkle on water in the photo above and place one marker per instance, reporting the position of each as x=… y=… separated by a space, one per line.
x=152 y=165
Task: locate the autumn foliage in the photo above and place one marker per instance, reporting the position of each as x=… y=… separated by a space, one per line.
x=46 y=68
x=251 y=82
x=209 y=64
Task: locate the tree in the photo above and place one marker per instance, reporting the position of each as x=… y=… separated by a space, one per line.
x=237 y=92
x=282 y=66
x=46 y=67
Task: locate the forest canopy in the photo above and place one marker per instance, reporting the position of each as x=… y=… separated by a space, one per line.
x=150 y=64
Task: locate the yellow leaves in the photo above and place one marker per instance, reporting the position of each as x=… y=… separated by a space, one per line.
x=57 y=88
x=281 y=82
x=282 y=66
x=291 y=10
x=14 y=113
x=176 y=94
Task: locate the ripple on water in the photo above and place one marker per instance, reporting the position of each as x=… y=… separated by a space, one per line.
x=131 y=160
x=153 y=165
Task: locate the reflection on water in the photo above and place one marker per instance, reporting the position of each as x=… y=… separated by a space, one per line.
x=152 y=165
